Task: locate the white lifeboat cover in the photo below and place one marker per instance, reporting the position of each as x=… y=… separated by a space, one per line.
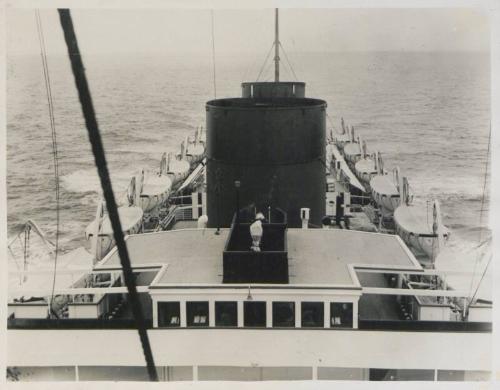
x=195 y=150
x=342 y=137
x=130 y=216
x=352 y=149
x=365 y=165
x=414 y=219
x=178 y=167
x=156 y=185
x=383 y=184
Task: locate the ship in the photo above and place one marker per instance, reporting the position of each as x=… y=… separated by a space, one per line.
x=272 y=258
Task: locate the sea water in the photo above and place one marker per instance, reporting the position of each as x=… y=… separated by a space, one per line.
x=428 y=113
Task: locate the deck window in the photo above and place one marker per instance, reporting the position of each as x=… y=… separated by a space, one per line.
x=283 y=314
x=313 y=314
x=255 y=314
x=226 y=314
x=197 y=313
x=341 y=314
x=169 y=314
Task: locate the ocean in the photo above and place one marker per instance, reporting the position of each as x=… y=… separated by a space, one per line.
x=428 y=113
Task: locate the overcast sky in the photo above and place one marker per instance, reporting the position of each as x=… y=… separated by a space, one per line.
x=251 y=31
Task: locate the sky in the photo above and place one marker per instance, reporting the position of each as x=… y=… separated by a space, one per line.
x=251 y=30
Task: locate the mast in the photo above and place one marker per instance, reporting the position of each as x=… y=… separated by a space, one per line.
x=276 y=49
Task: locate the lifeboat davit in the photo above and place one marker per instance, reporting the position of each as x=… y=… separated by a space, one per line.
x=131 y=222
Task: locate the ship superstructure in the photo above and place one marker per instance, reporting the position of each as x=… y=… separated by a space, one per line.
x=321 y=291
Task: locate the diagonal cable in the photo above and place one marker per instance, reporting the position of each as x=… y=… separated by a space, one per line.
x=102 y=168
x=50 y=102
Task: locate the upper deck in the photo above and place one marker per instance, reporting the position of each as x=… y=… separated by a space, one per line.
x=322 y=257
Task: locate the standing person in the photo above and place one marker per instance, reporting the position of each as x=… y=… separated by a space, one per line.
x=256 y=232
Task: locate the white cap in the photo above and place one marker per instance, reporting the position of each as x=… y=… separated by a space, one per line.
x=259 y=216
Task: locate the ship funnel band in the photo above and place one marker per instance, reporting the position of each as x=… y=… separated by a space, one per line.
x=273 y=103
x=267 y=89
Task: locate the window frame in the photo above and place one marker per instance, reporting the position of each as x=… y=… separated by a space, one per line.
x=248 y=303
x=273 y=312
x=348 y=324
x=160 y=317
x=189 y=314
x=219 y=303
x=321 y=322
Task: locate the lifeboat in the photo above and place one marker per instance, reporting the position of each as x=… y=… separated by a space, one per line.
x=195 y=150
x=423 y=232
x=419 y=231
x=352 y=152
x=155 y=189
x=130 y=219
x=366 y=168
x=342 y=139
x=177 y=169
x=385 y=192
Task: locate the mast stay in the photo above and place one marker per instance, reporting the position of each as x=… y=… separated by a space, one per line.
x=276 y=47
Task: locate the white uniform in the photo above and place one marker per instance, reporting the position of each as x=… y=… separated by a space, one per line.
x=256 y=233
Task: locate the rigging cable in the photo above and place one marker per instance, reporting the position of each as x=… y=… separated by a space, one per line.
x=481 y=280
x=50 y=102
x=265 y=61
x=102 y=168
x=213 y=52
x=481 y=218
x=314 y=92
x=289 y=63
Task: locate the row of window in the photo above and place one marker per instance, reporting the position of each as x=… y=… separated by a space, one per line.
x=255 y=314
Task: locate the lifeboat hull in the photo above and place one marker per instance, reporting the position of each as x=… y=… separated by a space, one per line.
x=385 y=193
x=414 y=226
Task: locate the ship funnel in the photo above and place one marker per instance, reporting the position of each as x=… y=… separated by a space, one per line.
x=275 y=147
x=343 y=125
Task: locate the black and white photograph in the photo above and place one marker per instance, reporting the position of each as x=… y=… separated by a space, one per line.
x=249 y=196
